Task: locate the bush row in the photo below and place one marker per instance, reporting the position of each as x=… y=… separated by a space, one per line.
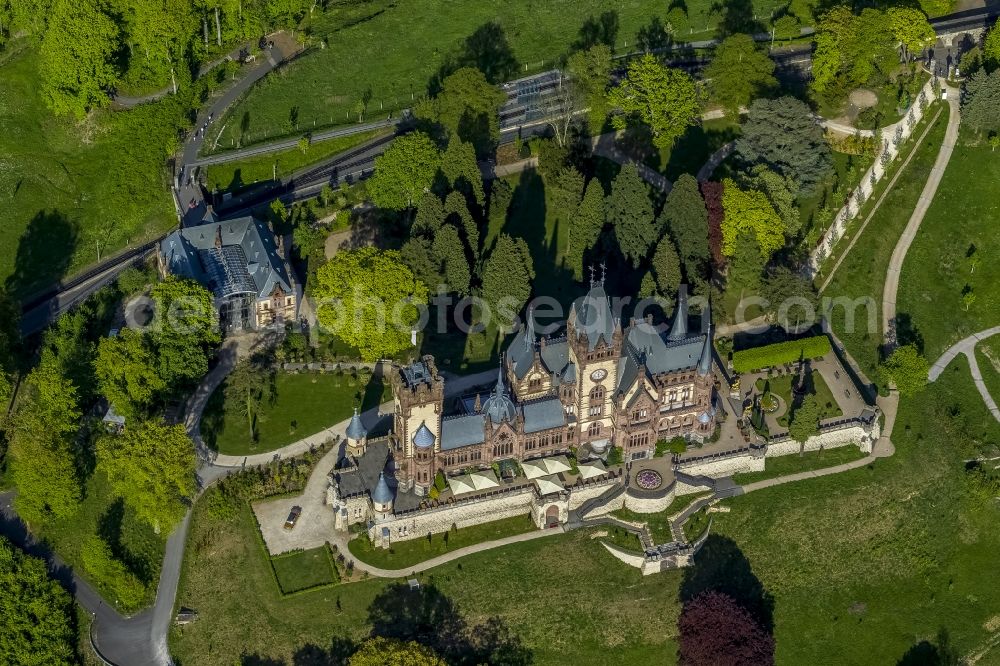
x=748 y=360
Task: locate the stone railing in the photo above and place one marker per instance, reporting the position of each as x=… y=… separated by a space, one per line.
x=831 y=426
x=892 y=139
x=474 y=499
x=752 y=449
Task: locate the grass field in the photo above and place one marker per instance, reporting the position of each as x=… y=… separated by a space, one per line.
x=960 y=223
x=694 y=148
x=234 y=176
x=988 y=358
x=406 y=553
x=304 y=569
x=390 y=57
x=657 y=523
x=303 y=405
x=781 y=385
x=70 y=189
x=792 y=464
x=861 y=276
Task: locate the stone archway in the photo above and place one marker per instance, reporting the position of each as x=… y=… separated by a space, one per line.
x=552 y=516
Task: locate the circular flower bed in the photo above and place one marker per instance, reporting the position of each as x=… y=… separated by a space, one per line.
x=649 y=479
x=769 y=403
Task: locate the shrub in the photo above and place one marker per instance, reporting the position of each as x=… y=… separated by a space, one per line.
x=614 y=456
x=748 y=360
x=100 y=563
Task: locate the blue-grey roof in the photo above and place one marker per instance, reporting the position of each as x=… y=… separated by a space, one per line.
x=594 y=317
x=237 y=256
x=355 y=430
x=645 y=346
x=459 y=431
x=416 y=373
x=521 y=352
x=679 y=327
x=555 y=357
x=543 y=415
x=705 y=363
x=499 y=407
x=382 y=494
x=423 y=438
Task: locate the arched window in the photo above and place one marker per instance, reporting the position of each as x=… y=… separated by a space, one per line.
x=595 y=429
x=597 y=394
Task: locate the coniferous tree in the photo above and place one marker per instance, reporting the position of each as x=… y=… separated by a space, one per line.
x=630 y=213
x=804 y=422
x=507 y=276
x=981 y=101
x=585 y=227
x=430 y=215
x=501 y=195
x=666 y=268
x=449 y=254
x=712 y=191
x=455 y=206
x=459 y=166
x=685 y=219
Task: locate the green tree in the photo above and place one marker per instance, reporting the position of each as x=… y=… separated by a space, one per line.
x=456 y=209
x=905 y=368
x=10 y=344
x=749 y=212
x=501 y=195
x=779 y=191
x=418 y=255
x=663 y=98
x=150 y=465
x=564 y=189
x=448 y=252
x=746 y=267
x=371 y=300
x=991 y=49
x=98 y=561
x=381 y=651
x=585 y=227
x=37 y=627
x=77 y=57
x=782 y=135
x=430 y=215
x=251 y=386
x=684 y=217
x=850 y=49
x=804 y=422
x=630 y=212
x=127 y=372
x=507 y=276
x=981 y=102
x=739 y=72
x=591 y=72
x=911 y=29
x=184 y=330
x=467 y=106
x=459 y=166
x=666 y=268
x=790 y=297
x=42 y=452
x=404 y=172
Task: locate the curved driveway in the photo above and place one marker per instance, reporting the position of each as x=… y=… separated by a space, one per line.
x=968 y=347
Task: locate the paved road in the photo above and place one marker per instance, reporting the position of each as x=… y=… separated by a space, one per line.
x=891 y=286
x=968 y=347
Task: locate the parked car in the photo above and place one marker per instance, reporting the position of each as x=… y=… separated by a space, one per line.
x=293 y=517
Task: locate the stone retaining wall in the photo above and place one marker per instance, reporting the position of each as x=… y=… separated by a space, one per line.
x=649 y=504
x=724 y=465
x=582 y=494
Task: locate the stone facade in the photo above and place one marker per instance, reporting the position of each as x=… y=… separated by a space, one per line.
x=598 y=386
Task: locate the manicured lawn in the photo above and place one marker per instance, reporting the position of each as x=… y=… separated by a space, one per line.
x=70 y=188
x=304 y=569
x=304 y=404
x=792 y=464
x=961 y=221
x=696 y=523
x=617 y=536
x=233 y=176
x=406 y=553
x=781 y=385
x=391 y=57
x=861 y=276
x=694 y=148
x=564 y=596
x=658 y=523
x=988 y=359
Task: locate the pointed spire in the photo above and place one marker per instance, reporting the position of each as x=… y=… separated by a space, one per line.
x=355 y=429
x=604 y=272
x=591 y=277
x=529 y=333
x=500 y=389
x=382 y=494
x=478 y=406
x=679 y=328
x=705 y=364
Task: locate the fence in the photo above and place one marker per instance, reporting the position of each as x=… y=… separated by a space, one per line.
x=892 y=138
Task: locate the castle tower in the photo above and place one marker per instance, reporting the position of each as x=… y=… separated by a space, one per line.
x=418 y=396
x=705 y=388
x=382 y=497
x=679 y=327
x=595 y=340
x=357 y=436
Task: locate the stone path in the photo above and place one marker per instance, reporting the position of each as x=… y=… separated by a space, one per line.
x=714 y=160
x=891 y=287
x=799 y=476
x=968 y=347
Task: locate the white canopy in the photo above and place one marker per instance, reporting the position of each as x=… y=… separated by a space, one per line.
x=468 y=483
x=549 y=484
x=534 y=469
x=589 y=470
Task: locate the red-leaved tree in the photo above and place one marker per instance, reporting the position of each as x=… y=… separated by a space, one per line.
x=712 y=192
x=717 y=631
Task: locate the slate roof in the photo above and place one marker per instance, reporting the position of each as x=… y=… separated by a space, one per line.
x=459 y=431
x=594 y=317
x=543 y=415
x=424 y=438
x=244 y=261
x=361 y=475
x=381 y=494
x=499 y=407
x=645 y=346
x=355 y=429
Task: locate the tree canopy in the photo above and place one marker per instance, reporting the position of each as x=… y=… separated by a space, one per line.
x=663 y=98
x=459 y=166
x=783 y=135
x=714 y=629
x=630 y=212
x=981 y=101
x=467 y=107
x=666 y=268
x=150 y=465
x=749 y=212
x=37 y=627
x=404 y=172
x=370 y=299
x=251 y=386
x=127 y=372
x=684 y=217
x=585 y=226
x=739 y=72
x=507 y=276
x=185 y=329
x=591 y=72
x=804 y=422
x=381 y=651
x=991 y=49
x=907 y=369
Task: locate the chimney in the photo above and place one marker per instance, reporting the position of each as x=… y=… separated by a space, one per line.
x=280 y=241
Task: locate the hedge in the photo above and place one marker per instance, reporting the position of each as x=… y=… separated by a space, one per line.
x=748 y=360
